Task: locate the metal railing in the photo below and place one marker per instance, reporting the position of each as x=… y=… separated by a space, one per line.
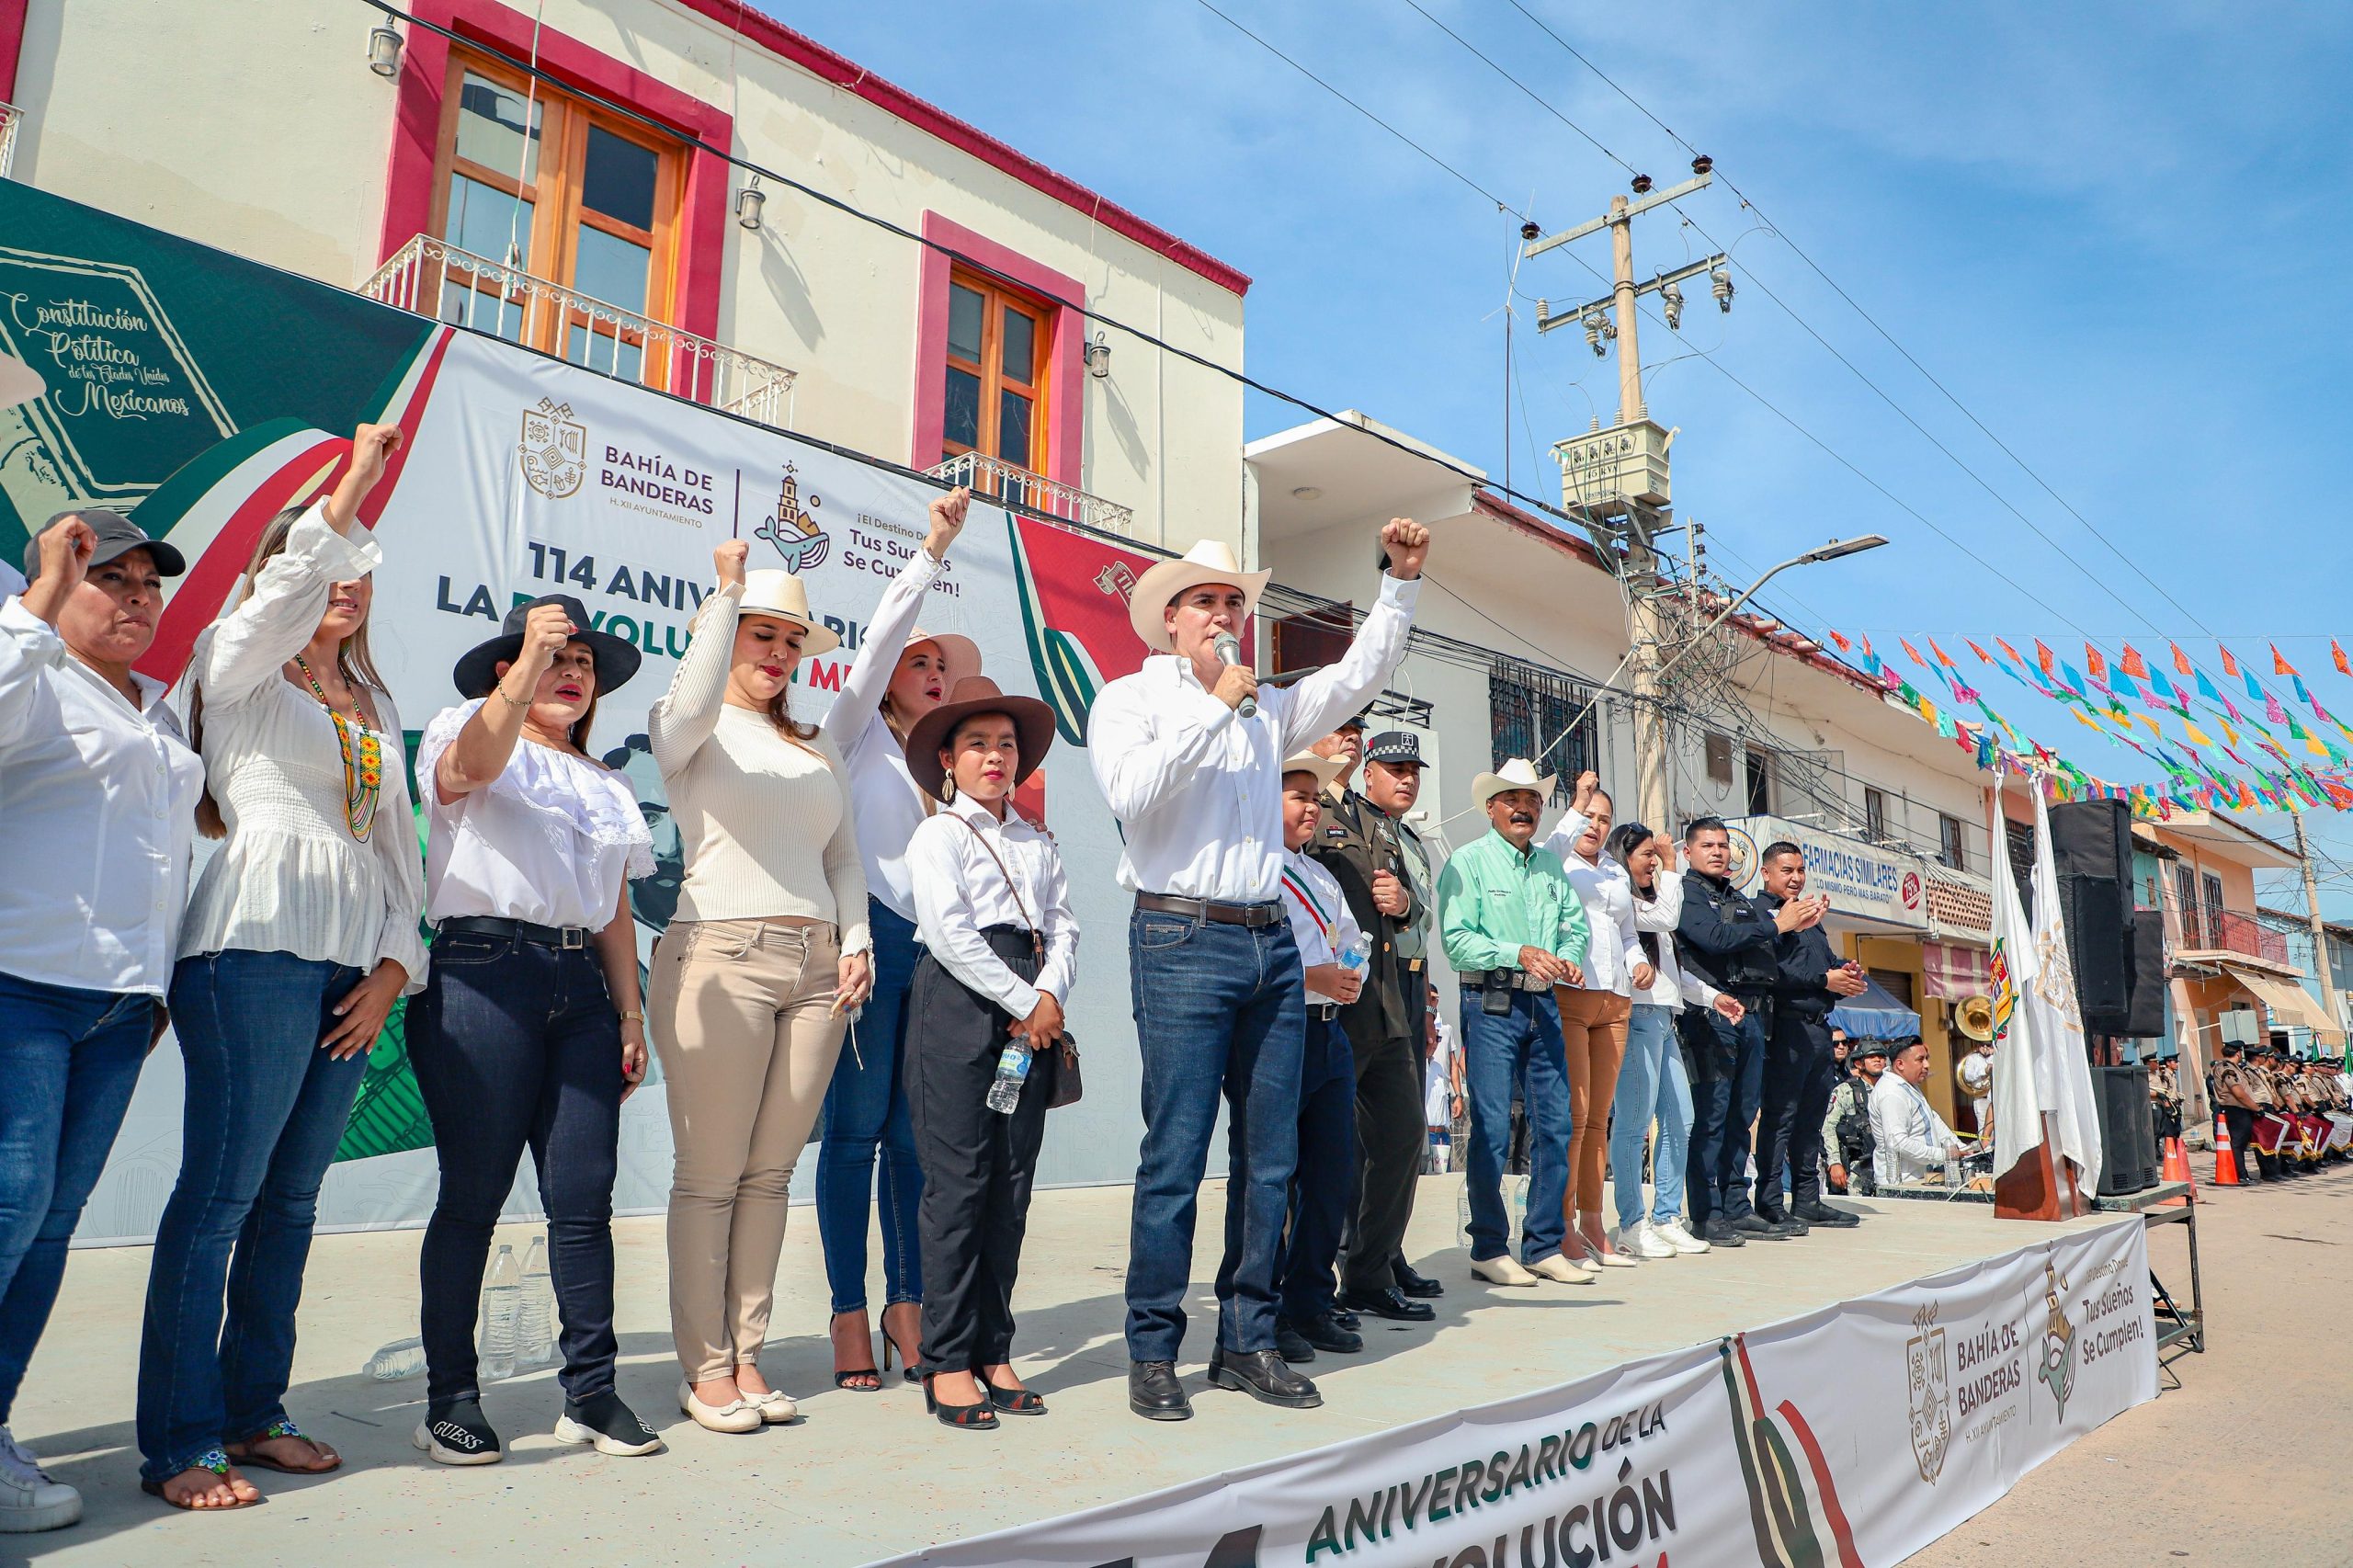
x=10 y=118
x=1003 y=480
x=428 y=276
x=2205 y=928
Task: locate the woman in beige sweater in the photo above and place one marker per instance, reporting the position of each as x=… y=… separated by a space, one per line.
x=767 y=954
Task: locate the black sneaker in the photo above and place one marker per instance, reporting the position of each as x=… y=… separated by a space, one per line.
x=1779 y=1227
x=458 y=1434
x=1827 y=1214
x=1751 y=1224
x=1721 y=1234
x=605 y=1422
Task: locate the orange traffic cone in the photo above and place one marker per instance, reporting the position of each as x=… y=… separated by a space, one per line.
x=2226 y=1159
x=2176 y=1168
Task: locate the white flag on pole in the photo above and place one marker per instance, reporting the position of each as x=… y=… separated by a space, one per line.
x=2040 y=1061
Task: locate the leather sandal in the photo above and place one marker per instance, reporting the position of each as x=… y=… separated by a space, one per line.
x=214 y=1459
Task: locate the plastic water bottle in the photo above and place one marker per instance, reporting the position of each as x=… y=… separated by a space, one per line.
x=1357 y=953
x=401 y=1358
x=535 y=1316
x=1012 y=1072
x=502 y=1291
x=1952 y=1169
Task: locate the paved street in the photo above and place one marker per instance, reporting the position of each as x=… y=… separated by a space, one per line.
x=2243 y=1462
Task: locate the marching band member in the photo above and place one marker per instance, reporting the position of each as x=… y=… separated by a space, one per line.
x=1327 y=934
x=753 y=980
x=1000 y=955
x=902 y=673
x=1196 y=782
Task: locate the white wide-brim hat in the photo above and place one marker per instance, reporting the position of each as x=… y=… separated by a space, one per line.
x=1210 y=560
x=770 y=591
x=1516 y=773
x=19 y=382
x=960 y=657
x=1325 y=769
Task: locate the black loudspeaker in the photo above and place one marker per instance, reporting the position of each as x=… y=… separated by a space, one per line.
x=2145 y=1014
x=2091 y=847
x=2127 y=1132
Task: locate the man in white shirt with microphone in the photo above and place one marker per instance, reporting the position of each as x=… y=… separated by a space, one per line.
x=1188 y=752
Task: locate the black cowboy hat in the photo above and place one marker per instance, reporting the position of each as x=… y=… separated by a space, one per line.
x=1033 y=728
x=617 y=658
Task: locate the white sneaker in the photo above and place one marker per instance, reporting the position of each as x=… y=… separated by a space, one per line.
x=1640 y=1242
x=1562 y=1269
x=30 y=1500
x=1502 y=1270
x=1672 y=1233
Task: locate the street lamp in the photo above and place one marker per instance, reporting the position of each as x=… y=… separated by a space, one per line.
x=1830 y=552
x=1835 y=548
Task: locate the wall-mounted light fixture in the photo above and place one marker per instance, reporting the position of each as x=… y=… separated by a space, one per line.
x=1098 y=355
x=384 y=51
x=747 y=204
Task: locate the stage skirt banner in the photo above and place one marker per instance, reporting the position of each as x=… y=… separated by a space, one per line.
x=204 y=393
x=1847 y=1439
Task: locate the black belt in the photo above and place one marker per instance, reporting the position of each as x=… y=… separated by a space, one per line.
x=570 y=939
x=1224 y=912
x=1327 y=1011
x=1506 y=980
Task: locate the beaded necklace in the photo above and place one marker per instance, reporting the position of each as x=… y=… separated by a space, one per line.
x=363 y=757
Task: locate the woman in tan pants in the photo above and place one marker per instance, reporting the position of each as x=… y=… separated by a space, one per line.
x=1594 y=1016
x=767 y=953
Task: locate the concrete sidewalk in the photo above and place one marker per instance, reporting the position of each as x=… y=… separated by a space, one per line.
x=863 y=1475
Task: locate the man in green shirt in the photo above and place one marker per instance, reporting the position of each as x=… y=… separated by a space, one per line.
x=1512 y=928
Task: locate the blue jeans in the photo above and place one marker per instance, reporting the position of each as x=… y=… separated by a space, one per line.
x=69 y=1059
x=1724 y=1095
x=1326 y=1174
x=1651 y=1083
x=1220 y=1010
x=517 y=1045
x=865 y=1108
x=264 y=1112
x=1500 y=1051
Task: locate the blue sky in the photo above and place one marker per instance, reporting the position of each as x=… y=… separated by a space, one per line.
x=2115 y=232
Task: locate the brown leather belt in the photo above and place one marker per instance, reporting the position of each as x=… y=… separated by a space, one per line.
x=1223 y=913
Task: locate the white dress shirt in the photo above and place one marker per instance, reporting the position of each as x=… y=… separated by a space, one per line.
x=890 y=806
x=1912 y=1138
x=550 y=840
x=1612 y=948
x=1672 y=986
x=959 y=891
x=1197 y=788
x=290 y=878
x=98 y=818
x=1320 y=921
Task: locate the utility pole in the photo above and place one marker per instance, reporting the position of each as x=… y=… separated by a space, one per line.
x=1616 y=480
x=2320 y=930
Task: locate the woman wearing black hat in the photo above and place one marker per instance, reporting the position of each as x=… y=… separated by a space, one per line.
x=1000 y=952
x=530 y=1031
x=300 y=934
x=97 y=803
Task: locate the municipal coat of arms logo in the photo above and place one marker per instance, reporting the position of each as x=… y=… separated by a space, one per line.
x=554 y=449
x=2056 y=1366
x=793 y=527
x=1929 y=1388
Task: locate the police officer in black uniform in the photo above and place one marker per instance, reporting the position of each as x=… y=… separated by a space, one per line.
x=1797 y=1067
x=1729 y=940
x=1358 y=844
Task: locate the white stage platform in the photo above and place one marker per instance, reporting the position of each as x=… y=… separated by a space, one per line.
x=867 y=1476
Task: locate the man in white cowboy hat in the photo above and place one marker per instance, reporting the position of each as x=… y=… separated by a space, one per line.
x=1189 y=756
x=1512 y=928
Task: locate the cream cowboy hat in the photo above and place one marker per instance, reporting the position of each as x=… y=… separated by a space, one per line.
x=1210 y=560
x=780 y=594
x=960 y=657
x=1325 y=769
x=1516 y=773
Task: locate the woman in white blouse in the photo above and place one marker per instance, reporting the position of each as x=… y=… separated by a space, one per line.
x=530 y=1033
x=97 y=806
x=301 y=934
x=753 y=979
x=1000 y=953
x=1653 y=1083
x=902 y=673
x=1594 y=1015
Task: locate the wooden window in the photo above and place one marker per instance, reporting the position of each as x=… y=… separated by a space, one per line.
x=1759 y=792
x=1874 y=813
x=1313 y=638
x=532 y=179
x=996 y=388
x=1955 y=847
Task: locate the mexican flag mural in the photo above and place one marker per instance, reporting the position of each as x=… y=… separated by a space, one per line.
x=202 y=393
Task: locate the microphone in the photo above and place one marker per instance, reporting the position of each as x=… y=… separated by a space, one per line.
x=1229 y=651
